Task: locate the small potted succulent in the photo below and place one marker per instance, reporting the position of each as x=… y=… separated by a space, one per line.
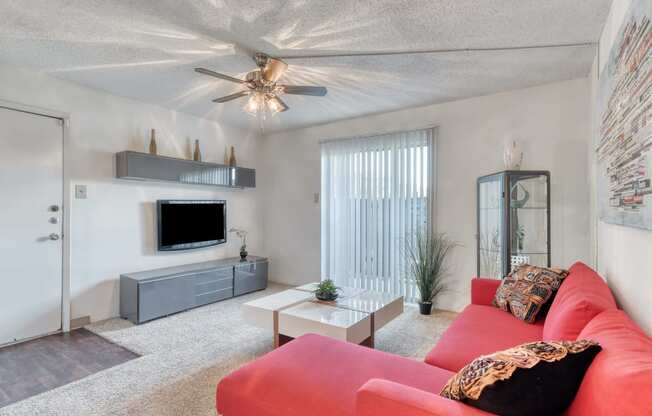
x=326 y=290
x=426 y=257
x=243 y=238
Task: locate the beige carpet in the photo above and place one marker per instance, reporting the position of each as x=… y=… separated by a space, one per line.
x=185 y=355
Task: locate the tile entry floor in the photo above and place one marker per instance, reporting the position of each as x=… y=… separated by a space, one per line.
x=42 y=364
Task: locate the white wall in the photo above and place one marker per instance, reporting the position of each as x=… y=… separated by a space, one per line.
x=623 y=254
x=551 y=121
x=112 y=231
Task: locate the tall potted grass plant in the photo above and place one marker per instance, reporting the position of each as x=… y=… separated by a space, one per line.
x=427 y=255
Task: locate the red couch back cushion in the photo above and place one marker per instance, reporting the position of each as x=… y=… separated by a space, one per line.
x=582 y=296
x=619 y=381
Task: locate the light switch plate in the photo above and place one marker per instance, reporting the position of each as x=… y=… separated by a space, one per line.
x=80 y=192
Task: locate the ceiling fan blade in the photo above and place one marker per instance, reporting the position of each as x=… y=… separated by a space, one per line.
x=218 y=75
x=304 y=90
x=277 y=105
x=274 y=69
x=231 y=97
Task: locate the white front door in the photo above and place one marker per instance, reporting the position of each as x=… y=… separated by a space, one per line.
x=31 y=192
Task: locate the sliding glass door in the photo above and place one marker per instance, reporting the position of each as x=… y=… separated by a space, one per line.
x=377 y=194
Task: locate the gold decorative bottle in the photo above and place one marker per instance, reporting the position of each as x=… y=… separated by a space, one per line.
x=197 y=155
x=152 y=143
x=232 y=161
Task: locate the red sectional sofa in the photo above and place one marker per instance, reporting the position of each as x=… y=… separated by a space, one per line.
x=319 y=376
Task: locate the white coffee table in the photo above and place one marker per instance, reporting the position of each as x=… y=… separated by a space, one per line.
x=382 y=307
x=263 y=312
x=324 y=319
x=355 y=316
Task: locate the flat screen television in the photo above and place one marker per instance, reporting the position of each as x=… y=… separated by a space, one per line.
x=185 y=225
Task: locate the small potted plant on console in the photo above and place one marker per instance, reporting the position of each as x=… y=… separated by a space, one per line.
x=326 y=290
x=243 y=238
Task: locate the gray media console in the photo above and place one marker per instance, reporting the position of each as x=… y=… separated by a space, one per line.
x=155 y=293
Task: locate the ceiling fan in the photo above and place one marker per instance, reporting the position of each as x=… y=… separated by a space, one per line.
x=262 y=87
x=264 y=92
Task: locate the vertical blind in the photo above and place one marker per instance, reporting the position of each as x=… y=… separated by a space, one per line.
x=377 y=193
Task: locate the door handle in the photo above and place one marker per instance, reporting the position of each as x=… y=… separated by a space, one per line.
x=54 y=236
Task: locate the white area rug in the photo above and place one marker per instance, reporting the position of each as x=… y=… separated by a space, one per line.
x=185 y=355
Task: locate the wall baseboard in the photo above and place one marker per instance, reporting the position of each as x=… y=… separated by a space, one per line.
x=79 y=322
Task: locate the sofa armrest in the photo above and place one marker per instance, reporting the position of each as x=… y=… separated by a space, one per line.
x=385 y=398
x=483 y=290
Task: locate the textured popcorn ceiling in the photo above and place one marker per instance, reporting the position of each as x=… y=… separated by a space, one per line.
x=146 y=49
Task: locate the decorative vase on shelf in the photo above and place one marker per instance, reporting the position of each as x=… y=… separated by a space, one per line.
x=512 y=155
x=197 y=154
x=243 y=253
x=152 y=143
x=232 y=161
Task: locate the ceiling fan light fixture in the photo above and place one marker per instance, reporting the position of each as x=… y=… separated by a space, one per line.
x=255 y=104
x=275 y=105
x=262 y=88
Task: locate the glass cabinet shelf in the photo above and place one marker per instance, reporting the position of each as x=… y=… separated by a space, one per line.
x=521 y=208
x=513 y=220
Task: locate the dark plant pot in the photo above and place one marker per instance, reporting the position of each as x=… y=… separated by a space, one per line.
x=243 y=255
x=425 y=308
x=327 y=297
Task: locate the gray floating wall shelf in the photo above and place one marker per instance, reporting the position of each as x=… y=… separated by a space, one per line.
x=146 y=167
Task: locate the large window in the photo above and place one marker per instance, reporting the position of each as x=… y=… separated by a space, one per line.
x=377 y=193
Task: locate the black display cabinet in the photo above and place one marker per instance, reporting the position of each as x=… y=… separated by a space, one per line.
x=513 y=218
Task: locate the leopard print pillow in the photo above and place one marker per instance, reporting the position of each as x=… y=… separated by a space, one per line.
x=527 y=289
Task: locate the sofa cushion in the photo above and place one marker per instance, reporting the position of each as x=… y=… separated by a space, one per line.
x=619 y=382
x=525 y=299
x=317 y=376
x=536 y=378
x=480 y=330
x=582 y=296
x=527 y=289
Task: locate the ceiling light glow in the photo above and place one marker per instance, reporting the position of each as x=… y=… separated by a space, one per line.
x=255 y=104
x=274 y=105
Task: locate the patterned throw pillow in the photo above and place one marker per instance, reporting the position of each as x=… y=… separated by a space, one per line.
x=537 y=378
x=527 y=289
